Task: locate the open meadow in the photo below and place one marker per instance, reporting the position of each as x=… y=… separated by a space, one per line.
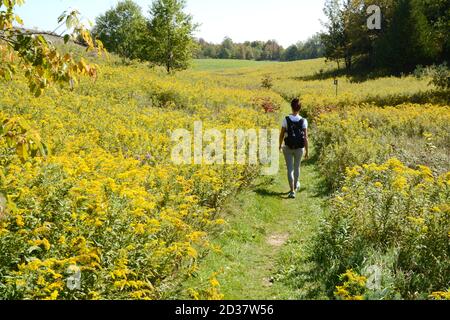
x=104 y=195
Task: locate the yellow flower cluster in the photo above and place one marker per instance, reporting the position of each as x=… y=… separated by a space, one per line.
x=352 y=288
x=313 y=81
x=212 y=292
x=389 y=168
x=441 y=295
x=391 y=209
x=367 y=134
x=102 y=194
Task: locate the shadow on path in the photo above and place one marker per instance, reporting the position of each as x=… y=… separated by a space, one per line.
x=267 y=193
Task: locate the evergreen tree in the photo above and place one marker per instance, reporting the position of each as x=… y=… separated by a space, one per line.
x=407 y=41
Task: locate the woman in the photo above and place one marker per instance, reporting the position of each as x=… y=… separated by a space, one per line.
x=294 y=136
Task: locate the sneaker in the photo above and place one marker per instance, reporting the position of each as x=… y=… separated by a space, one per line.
x=291 y=195
x=298 y=187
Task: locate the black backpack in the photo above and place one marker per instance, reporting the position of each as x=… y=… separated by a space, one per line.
x=296 y=138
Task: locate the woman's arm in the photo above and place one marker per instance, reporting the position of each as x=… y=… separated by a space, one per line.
x=306 y=144
x=282 y=134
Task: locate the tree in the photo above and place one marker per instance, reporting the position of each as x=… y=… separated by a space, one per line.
x=210 y=52
x=226 y=49
x=407 y=41
x=311 y=48
x=437 y=13
x=257 y=49
x=357 y=43
x=272 y=51
x=290 y=54
x=171 y=42
x=413 y=32
x=41 y=63
x=122 y=30
x=334 y=37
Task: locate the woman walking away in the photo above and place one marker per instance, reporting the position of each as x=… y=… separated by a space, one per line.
x=294 y=134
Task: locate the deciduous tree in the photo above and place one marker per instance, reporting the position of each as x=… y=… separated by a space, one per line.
x=171 y=43
x=122 y=30
x=37 y=58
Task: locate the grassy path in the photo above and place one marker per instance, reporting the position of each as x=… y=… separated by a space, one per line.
x=266 y=236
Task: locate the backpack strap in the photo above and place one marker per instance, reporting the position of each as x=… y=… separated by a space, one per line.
x=301 y=122
x=289 y=124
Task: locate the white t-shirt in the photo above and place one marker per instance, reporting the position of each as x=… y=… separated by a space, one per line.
x=296 y=118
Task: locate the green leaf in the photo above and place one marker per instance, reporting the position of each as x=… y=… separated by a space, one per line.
x=62 y=17
x=22 y=151
x=43 y=149
x=19 y=20
x=41 y=39
x=38 y=92
x=34 y=249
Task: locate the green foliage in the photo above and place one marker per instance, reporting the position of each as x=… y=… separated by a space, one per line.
x=311 y=49
x=164 y=39
x=334 y=37
x=439 y=75
x=291 y=53
x=171 y=31
x=122 y=30
x=391 y=216
x=437 y=13
x=413 y=133
x=267 y=82
x=407 y=40
x=412 y=32
x=226 y=49
x=19 y=136
x=256 y=50
x=394 y=212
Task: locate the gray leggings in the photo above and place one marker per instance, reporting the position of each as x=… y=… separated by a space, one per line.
x=293 y=161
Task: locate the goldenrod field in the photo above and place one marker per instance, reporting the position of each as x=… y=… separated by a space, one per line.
x=108 y=200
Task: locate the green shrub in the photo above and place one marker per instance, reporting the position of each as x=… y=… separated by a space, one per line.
x=388 y=211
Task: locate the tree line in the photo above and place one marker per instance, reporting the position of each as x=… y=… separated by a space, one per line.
x=166 y=37
x=260 y=50
x=413 y=32
x=163 y=38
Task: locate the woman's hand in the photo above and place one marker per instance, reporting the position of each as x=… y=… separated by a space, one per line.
x=282 y=133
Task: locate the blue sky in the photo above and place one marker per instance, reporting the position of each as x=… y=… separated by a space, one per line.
x=287 y=21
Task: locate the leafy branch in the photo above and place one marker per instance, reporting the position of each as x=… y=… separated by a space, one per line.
x=37 y=57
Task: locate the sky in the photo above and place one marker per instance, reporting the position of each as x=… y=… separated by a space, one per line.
x=287 y=21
